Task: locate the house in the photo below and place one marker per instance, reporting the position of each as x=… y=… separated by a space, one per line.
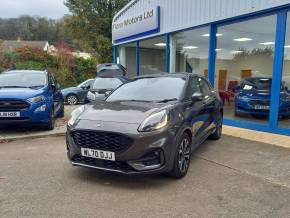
x=12 y=45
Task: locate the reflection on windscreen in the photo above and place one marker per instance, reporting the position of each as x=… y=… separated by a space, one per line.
x=149 y=89
x=106 y=83
x=22 y=79
x=260 y=84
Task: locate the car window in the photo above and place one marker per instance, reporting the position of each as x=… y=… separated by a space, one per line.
x=106 y=83
x=86 y=83
x=204 y=86
x=193 y=87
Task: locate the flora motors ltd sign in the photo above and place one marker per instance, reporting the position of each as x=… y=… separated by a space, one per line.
x=132 y=26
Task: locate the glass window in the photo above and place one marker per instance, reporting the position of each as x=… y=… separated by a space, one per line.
x=148 y=89
x=127 y=57
x=106 y=83
x=244 y=64
x=153 y=55
x=191 y=51
x=192 y=88
x=284 y=112
x=204 y=86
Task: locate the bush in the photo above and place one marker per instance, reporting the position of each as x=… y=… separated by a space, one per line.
x=68 y=70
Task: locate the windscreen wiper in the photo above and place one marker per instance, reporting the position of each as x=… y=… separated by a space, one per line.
x=35 y=87
x=13 y=87
x=167 y=100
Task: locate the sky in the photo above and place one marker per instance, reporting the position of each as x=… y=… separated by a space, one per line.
x=43 y=8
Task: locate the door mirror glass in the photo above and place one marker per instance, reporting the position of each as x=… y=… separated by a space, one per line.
x=107 y=93
x=197 y=97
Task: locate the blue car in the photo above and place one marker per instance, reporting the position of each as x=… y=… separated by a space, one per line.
x=78 y=94
x=253 y=98
x=30 y=97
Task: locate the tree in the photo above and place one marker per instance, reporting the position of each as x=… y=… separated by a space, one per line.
x=90 y=24
x=33 y=28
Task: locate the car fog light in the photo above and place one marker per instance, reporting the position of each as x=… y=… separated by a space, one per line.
x=41 y=108
x=150 y=161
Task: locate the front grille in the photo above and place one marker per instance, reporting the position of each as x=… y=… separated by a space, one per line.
x=113 y=165
x=260 y=102
x=13 y=105
x=101 y=140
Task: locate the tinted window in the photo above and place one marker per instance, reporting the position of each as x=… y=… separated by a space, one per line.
x=25 y=79
x=204 y=86
x=150 y=89
x=107 y=83
x=193 y=87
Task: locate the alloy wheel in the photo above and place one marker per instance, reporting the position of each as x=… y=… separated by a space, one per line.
x=184 y=155
x=72 y=100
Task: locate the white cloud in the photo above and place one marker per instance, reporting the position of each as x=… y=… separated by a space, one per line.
x=43 y=8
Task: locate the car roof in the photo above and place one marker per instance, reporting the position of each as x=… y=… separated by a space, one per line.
x=183 y=75
x=24 y=71
x=113 y=77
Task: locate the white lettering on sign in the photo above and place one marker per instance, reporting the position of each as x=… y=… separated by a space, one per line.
x=135 y=25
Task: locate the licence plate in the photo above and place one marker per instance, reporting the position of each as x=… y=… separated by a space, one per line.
x=98 y=154
x=9 y=114
x=262 y=107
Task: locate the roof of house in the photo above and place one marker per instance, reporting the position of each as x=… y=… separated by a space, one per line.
x=15 y=44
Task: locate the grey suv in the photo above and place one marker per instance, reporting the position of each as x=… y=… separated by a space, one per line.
x=149 y=125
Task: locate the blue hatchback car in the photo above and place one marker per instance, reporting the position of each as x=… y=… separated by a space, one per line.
x=253 y=98
x=30 y=97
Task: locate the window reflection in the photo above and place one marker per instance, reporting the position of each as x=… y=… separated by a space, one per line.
x=191 y=51
x=153 y=55
x=127 y=57
x=244 y=64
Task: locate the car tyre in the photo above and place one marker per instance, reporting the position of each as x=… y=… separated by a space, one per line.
x=72 y=99
x=50 y=125
x=218 y=130
x=182 y=157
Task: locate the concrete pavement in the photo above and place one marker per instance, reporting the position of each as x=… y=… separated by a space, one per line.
x=232 y=177
x=23 y=132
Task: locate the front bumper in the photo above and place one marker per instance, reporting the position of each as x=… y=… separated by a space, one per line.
x=245 y=107
x=148 y=153
x=30 y=115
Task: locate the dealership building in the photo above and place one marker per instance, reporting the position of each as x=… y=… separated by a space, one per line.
x=224 y=40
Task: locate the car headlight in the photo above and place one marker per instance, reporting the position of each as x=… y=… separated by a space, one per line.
x=75 y=115
x=154 y=122
x=37 y=99
x=91 y=96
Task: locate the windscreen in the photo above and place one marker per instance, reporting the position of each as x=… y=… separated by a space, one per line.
x=149 y=89
x=257 y=83
x=25 y=79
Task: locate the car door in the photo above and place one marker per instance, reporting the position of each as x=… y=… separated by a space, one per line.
x=209 y=105
x=57 y=96
x=194 y=111
x=82 y=94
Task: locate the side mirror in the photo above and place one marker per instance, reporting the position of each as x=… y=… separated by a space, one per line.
x=107 y=93
x=53 y=86
x=197 y=97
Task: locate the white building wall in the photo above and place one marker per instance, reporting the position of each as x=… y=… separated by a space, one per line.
x=181 y=14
